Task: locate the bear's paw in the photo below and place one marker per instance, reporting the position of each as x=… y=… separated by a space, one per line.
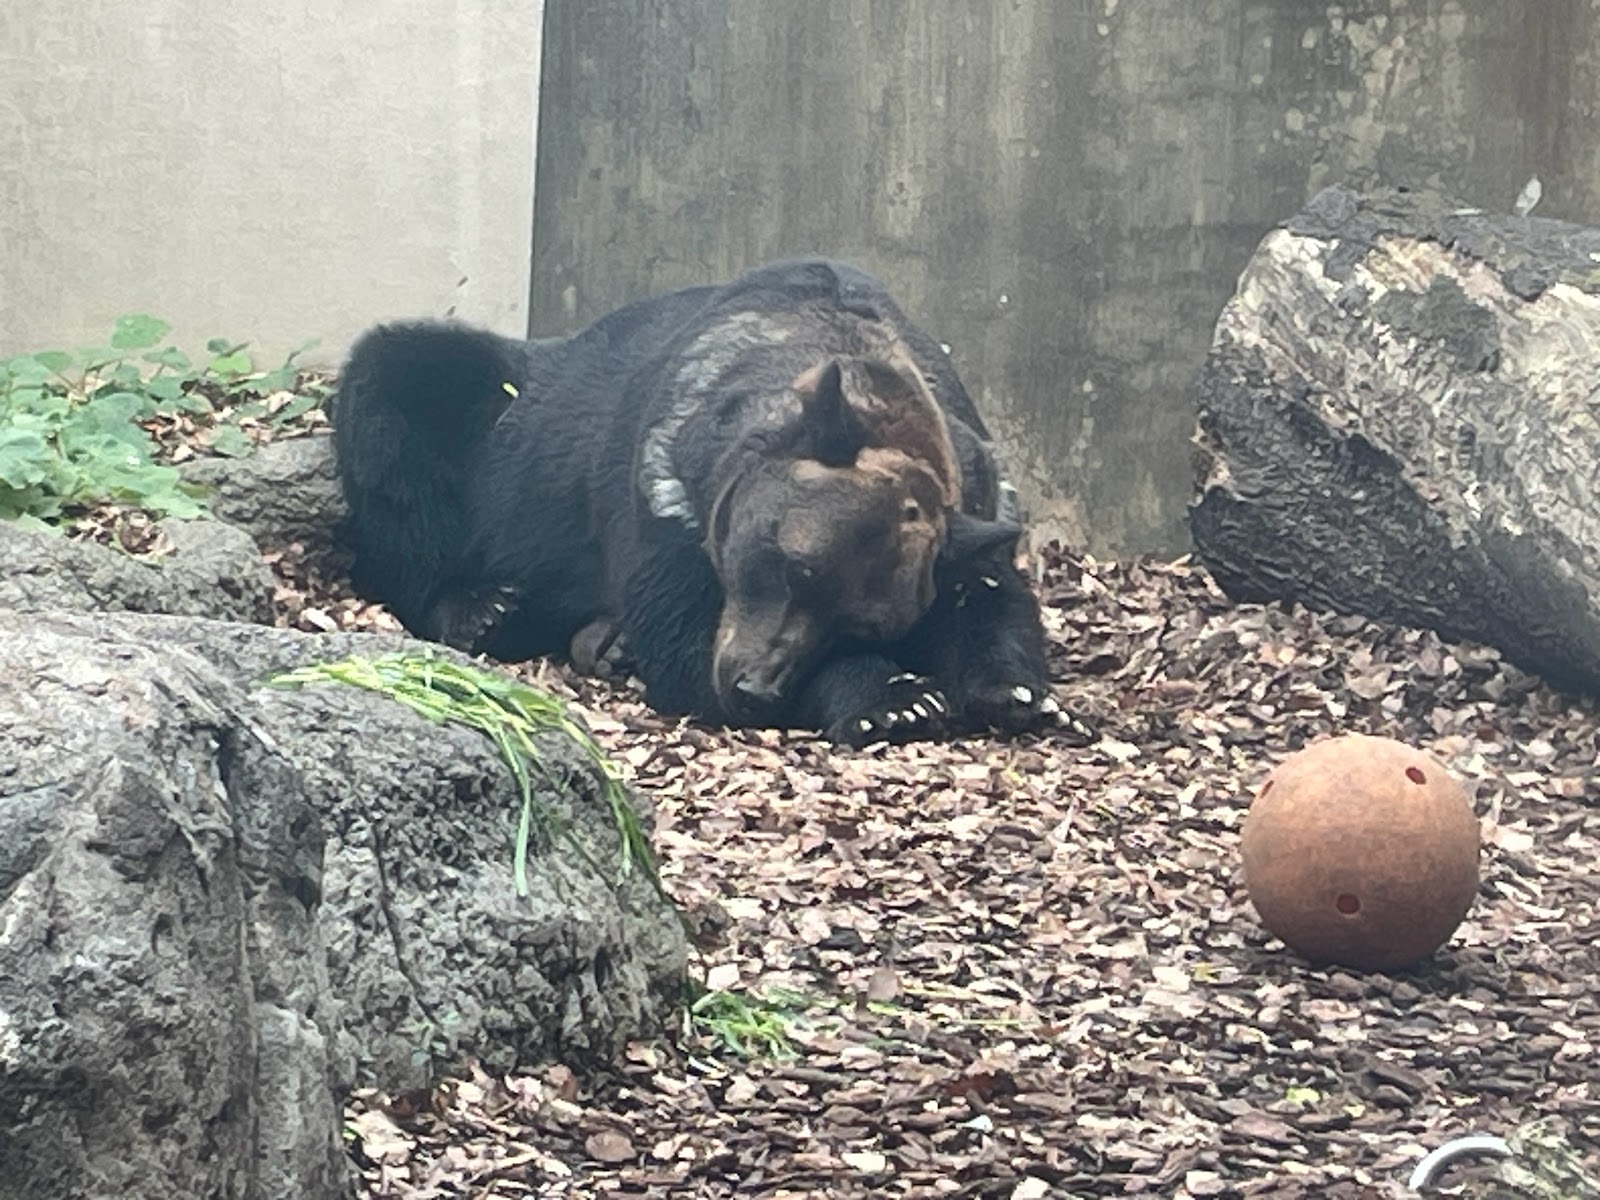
x=907 y=708
x=1021 y=708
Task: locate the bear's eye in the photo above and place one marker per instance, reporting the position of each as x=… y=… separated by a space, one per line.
x=913 y=511
x=801 y=575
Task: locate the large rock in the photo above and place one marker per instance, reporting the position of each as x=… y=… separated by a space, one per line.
x=286 y=491
x=223 y=903
x=213 y=569
x=420 y=916
x=166 y=1024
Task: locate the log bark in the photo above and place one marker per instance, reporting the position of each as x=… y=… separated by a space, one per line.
x=1400 y=417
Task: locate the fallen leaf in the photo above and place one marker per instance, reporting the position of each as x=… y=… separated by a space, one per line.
x=883 y=985
x=868 y=1162
x=609 y=1146
x=381 y=1139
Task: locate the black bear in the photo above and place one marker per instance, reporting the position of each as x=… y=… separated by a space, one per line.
x=774 y=498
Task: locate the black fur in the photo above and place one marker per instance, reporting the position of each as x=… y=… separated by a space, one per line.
x=499 y=500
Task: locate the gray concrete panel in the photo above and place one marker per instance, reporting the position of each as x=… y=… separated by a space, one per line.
x=278 y=171
x=1063 y=191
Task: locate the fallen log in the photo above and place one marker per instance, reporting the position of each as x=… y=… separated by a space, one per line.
x=1400 y=417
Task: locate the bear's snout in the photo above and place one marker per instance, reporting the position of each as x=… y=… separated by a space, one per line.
x=753 y=692
x=759 y=658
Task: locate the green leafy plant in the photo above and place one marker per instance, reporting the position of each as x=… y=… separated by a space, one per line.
x=251 y=394
x=74 y=426
x=750 y=1025
x=511 y=713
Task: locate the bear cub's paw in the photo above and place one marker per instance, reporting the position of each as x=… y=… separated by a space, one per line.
x=907 y=708
x=467 y=620
x=601 y=649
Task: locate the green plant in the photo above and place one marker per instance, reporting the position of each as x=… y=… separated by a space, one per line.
x=75 y=426
x=750 y=1025
x=511 y=713
x=247 y=393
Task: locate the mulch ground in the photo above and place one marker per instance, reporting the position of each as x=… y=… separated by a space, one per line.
x=1027 y=968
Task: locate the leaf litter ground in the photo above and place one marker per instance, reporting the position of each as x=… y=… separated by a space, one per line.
x=1027 y=968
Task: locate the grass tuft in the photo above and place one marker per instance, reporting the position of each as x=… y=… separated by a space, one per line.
x=512 y=714
x=750 y=1025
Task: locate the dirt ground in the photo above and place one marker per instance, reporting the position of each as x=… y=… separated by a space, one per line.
x=1029 y=968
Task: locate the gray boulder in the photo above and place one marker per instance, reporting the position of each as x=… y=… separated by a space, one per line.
x=213 y=570
x=165 y=1019
x=287 y=491
x=223 y=903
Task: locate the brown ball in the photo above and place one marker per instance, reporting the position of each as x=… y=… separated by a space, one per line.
x=1361 y=851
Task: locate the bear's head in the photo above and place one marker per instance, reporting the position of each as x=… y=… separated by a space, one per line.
x=829 y=527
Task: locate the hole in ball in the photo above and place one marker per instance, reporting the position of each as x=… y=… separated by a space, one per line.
x=1415 y=775
x=1348 y=903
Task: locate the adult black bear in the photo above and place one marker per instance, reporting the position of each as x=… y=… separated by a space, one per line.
x=777 y=492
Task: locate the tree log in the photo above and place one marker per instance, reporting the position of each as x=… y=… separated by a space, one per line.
x=1400 y=417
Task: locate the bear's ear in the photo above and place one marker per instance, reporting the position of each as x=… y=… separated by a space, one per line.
x=970 y=539
x=834 y=432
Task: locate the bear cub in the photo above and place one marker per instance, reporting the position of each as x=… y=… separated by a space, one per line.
x=772 y=500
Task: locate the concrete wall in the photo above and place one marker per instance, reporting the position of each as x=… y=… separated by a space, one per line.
x=277 y=171
x=1065 y=191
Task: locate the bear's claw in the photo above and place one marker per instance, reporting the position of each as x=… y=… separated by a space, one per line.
x=1022 y=708
x=910 y=709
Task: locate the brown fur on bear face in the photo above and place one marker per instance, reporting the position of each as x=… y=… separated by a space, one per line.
x=836 y=539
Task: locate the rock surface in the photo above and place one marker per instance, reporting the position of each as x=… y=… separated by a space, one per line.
x=223 y=904
x=286 y=491
x=212 y=570
x=166 y=1026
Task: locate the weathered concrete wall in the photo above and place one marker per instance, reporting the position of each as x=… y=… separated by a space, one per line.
x=1065 y=192
x=277 y=171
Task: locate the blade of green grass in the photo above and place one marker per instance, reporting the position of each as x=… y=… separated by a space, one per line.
x=512 y=714
x=750 y=1025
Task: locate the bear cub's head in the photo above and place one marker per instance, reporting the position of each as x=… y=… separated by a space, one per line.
x=829 y=526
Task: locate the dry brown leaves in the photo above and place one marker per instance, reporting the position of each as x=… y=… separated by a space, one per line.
x=183 y=436
x=312 y=593
x=130 y=529
x=1030 y=970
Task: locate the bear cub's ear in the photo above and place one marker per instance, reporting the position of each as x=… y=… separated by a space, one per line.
x=971 y=541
